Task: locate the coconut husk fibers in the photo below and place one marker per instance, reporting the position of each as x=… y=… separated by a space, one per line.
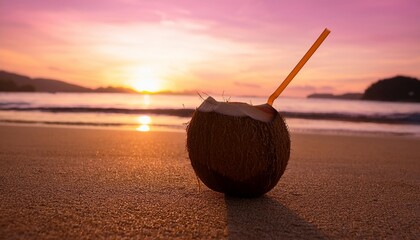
x=238 y=156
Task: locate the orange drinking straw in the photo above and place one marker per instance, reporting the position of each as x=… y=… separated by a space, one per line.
x=297 y=68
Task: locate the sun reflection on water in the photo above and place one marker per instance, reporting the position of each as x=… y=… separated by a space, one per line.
x=144 y=122
x=146 y=100
x=143 y=128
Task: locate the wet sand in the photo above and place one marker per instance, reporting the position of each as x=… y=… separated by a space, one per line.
x=92 y=184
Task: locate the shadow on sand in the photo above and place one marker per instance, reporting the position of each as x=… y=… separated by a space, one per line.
x=265 y=218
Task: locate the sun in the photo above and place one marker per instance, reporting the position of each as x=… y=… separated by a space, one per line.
x=145 y=80
x=146 y=85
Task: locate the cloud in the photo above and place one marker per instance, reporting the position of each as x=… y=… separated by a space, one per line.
x=247 y=85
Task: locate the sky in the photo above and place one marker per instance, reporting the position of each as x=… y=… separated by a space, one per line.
x=232 y=47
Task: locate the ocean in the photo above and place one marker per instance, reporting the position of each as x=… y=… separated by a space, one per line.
x=172 y=112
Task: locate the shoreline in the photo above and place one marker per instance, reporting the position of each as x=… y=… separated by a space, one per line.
x=71 y=183
x=157 y=128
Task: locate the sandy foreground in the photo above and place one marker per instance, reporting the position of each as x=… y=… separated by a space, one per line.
x=90 y=184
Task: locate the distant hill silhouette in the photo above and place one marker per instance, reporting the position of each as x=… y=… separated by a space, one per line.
x=40 y=84
x=10 y=86
x=399 y=88
x=346 y=96
x=12 y=82
x=114 y=90
x=396 y=89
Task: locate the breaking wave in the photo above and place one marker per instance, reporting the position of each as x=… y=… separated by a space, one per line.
x=397 y=118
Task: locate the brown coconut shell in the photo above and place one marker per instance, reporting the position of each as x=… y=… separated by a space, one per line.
x=239 y=156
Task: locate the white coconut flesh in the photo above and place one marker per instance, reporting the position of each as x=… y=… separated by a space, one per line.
x=263 y=113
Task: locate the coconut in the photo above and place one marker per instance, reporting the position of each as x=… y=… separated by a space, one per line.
x=240 y=149
x=236 y=148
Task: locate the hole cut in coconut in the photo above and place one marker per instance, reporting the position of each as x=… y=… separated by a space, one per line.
x=263 y=112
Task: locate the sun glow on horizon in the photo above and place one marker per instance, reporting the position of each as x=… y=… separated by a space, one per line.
x=145 y=79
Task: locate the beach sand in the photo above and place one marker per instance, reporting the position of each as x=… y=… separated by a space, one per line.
x=68 y=183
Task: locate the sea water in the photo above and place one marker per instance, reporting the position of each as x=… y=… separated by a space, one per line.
x=172 y=112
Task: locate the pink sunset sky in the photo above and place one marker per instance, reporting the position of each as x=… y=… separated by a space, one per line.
x=235 y=47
